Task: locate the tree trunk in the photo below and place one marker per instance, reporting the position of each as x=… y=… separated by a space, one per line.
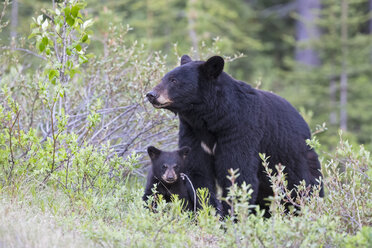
x=150 y=21
x=333 y=99
x=344 y=76
x=14 y=23
x=370 y=21
x=191 y=17
x=306 y=30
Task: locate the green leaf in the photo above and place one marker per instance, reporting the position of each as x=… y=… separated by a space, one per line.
x=52 y=74
x=41 y=46
x=90 y=55
x=82 y=59
x=75 y=10
x=78 y=47
x=69 y=64
x=84 y=38
x=70 y=21
x=67 y=11
x=33 y=34
x=45 y=41
x=68 y=51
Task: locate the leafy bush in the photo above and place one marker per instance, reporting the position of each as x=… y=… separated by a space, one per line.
x=120 y=219
x=77 y=130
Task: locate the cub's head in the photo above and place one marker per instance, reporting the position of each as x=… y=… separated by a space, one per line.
x=167 y=166
x=182 y=87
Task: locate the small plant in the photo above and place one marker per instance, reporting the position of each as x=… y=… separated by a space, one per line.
x=349 y=174
x=238 y=196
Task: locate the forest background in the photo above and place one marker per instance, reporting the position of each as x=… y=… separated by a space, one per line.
x=74 y=123
x=317 y=54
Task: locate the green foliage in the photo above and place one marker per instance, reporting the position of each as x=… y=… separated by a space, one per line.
x=238 y=196
x=3 y=24
x=59 y=160
x=60 y=156
x=363 y=238
x=352 y=170
x=317 y=88
x=61 y=35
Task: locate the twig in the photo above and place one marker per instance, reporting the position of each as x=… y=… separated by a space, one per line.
x=32 y=109
x=29 y=52
x=11 y=146
x=112 y=121
x=161 y=227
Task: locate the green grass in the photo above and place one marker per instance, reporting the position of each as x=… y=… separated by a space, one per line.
x=24 y=224
x=49 y=218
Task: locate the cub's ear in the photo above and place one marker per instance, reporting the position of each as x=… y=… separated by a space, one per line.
x=185 y=59
x=153 y=152
x=213 y=67
x=184 y=151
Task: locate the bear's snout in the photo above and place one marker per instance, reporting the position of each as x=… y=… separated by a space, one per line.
x=158 y=97
x=151 y=96
x=170 y=176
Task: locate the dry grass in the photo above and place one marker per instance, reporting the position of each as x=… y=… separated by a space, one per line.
x=27 y=226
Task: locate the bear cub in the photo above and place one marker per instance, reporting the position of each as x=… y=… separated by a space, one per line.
x=167 y=174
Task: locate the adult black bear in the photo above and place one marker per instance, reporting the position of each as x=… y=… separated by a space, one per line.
x=166 y=174
x=232 y=123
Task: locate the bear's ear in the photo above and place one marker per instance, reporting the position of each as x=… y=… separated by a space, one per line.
x=185 y=59
x=184 y=151
x=153 y=152
x=213 y=67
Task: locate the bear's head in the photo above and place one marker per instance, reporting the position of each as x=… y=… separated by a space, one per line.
x=167 y=166
x=182 y=88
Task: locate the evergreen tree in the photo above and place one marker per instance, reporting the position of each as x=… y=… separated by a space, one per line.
x=338 y=90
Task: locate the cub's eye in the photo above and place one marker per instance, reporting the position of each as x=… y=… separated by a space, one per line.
x=176 y=166
x=164 y=166
x=173 y=80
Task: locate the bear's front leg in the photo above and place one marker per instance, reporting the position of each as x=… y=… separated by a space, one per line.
x=234 y=157
x=198 y=164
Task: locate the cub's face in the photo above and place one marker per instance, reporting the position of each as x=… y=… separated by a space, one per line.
x=167 y=166
x=181 y=88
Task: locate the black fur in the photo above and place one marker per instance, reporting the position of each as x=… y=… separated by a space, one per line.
x=181 y=187
x=215 y=108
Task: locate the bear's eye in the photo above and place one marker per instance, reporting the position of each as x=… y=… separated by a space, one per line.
x=173 y=80
x=164 y=166
x=176 y=166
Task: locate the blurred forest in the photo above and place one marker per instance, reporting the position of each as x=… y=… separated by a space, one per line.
x=315 y=53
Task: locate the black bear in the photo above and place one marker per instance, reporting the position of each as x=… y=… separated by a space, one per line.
x=167 y=174
x=227 y=123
